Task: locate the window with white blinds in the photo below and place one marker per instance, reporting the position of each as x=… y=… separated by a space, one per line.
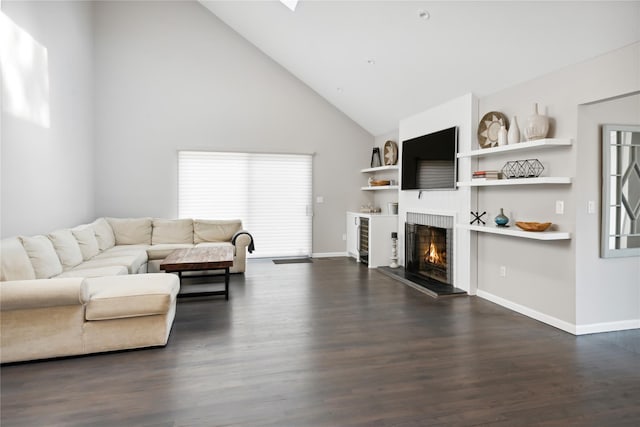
x=270 y=193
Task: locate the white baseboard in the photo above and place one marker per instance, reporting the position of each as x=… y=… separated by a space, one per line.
x=544 y=318
x=328 y=254
x=594 y=328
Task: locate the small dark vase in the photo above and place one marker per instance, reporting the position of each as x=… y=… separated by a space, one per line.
x=501 y=219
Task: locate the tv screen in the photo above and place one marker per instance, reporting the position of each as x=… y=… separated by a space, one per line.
x=429 y=161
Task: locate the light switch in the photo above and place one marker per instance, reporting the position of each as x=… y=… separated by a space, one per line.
x=591 y=207
x=560 y=207
x=320 y=199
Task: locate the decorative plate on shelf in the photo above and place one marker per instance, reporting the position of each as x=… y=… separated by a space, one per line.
x=489 y=127
x=390 y=153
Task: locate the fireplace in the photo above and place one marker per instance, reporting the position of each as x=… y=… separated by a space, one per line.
x=429 y=255
x=429 y=249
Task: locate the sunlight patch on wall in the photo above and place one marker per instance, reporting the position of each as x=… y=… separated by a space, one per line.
x=25 y=74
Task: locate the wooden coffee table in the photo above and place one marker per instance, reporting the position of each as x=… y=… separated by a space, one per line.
x=201 y=259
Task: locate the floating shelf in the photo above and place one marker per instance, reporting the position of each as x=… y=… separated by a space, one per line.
x=380 y=169
x=380 y=187
x=517 y=181
x=547 y=142
x=516 y=232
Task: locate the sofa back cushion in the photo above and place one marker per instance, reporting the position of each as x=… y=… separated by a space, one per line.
x=104 y=234
x=43 y=256
x=86 y=238
x=172 y=231
x=131 y=231
x=14 y=261
x=66 y=247
x=207 y=230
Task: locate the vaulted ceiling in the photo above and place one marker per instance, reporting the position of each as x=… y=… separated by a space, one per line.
x=381 y=61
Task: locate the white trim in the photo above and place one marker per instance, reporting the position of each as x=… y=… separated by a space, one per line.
x=544 y=318
x=329 y=254
x=595 y=328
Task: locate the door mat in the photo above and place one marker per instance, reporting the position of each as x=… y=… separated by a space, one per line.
x=292 y=261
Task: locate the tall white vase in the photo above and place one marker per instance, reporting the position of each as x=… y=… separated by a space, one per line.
x=513 y=136
x=503 y=136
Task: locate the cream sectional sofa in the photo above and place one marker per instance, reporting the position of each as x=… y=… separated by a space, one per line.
x=97 y=287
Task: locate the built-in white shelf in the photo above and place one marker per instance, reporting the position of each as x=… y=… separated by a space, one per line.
x=514 y=231
x=539 y=143
x=516 y=181
x=380 y=187
x=380 y=169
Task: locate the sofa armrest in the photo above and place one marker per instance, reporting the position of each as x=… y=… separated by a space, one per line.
x=243 y=239
x=40 y=293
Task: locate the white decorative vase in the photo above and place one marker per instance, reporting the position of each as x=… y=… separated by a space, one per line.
x=537 y=125
x=503 y=136
x=513 y=136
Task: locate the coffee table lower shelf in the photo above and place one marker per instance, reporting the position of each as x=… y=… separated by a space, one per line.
x=224 y=292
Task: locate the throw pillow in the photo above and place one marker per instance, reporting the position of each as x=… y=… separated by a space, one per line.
x=131 y=231
x=215 y=230
x=66 y=247
x=104 y=234
x=172 y=231
x=86 y=238
x=44 y=259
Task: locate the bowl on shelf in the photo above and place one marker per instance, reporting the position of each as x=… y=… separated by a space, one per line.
x=379 y=183
x=533 y=226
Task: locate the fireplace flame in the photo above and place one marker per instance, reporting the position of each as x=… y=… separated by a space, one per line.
x=434 y=256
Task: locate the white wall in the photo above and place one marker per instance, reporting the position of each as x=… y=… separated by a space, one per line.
x=171 y=76
x=541 y=276
x=607 y=289
x=47 y=172
x=461 y=112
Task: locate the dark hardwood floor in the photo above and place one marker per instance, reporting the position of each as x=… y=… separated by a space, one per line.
x=333 y=343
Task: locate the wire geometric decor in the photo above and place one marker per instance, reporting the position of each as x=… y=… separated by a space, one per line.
x=530 y=168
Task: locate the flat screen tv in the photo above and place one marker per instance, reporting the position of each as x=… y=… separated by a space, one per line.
x=429 y=161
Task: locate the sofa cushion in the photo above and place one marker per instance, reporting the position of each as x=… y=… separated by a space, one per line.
x=66 y=247
x=86 y=238
x=215 y=230
x=137 y=295
x=95 y=272
x=131 y=231
x=43 y=256
x=104 y=234
x=15 y=261
x=162 y=251
x=133 y=261
x=172 y=231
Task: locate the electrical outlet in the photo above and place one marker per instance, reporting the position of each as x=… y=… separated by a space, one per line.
x=320 y=199
x=560 y=207
x=503 y=271
x=591 y=207
x=344 y=237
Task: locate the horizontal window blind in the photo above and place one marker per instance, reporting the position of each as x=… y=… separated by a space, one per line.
x=270 y=193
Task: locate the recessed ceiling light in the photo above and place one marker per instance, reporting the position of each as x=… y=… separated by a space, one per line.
x=371 y=61
x=423 y=14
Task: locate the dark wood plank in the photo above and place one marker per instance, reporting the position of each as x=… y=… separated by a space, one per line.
x=334 y=343
x=197 y=259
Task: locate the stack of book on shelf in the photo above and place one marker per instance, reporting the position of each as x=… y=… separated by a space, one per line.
x=485 y=175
